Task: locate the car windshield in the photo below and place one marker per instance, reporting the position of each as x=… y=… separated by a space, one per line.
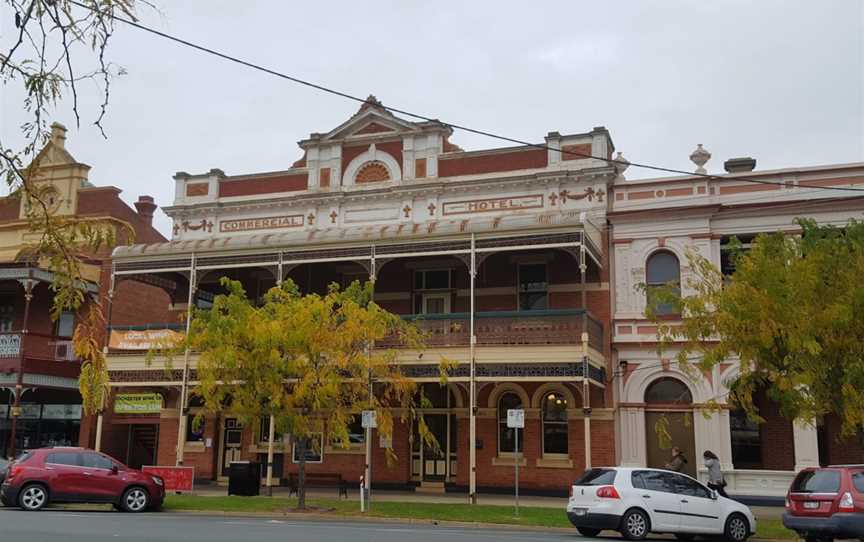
x=817 y=481
x=596 y=477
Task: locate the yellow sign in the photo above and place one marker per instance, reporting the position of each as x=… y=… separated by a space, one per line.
x=137 y=403
x=143 y=339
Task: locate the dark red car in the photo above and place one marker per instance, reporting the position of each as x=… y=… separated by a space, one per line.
x=73 y=475
x=827 y=503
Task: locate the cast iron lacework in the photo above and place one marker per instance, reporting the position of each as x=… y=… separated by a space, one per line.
x=507 y=370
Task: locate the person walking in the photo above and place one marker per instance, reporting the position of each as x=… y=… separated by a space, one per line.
x=678 y=460
x=715 y=476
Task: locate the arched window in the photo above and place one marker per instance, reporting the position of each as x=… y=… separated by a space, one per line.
x=507 y=436
x=554 y=424
x=372 y=172
x=662 y=270
x=668 y=391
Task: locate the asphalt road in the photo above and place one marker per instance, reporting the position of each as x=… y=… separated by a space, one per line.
x=73 y=526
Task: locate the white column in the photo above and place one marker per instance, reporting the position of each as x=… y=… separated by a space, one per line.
x=633 y=437
x=472 y=399
x=181 y=425
x=806 y=444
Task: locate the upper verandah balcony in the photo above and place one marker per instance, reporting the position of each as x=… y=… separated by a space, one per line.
x=528 y=289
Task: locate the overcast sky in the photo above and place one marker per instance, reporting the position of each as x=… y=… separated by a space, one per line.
x=779 y=80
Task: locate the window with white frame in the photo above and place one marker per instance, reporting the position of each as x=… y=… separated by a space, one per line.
x=432 y=291
x=555 y=435
x=662 y=270
x=314 y=449
x=507 y=435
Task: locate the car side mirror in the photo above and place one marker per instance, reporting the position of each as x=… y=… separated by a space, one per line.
x=713 y=495
x=115 y=469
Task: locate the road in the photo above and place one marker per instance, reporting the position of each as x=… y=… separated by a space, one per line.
x=84 y=526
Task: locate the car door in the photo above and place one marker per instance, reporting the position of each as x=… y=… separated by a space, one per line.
x=699 y=512
x=64 y=475
x=102 y=484
x=656 y=490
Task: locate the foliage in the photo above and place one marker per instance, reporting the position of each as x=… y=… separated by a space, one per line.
x=306 y=360
x=50 y=40
x=792 y=313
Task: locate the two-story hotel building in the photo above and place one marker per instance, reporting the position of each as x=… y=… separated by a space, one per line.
x=507 y=246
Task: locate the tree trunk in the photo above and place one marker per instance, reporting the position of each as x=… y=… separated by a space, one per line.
x=301 y=478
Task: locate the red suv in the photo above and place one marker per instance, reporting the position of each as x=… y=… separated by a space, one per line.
x=827 y=503
x=78 y=475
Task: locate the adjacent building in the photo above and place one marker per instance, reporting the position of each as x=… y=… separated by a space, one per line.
x=652 y=225
x=39 y=400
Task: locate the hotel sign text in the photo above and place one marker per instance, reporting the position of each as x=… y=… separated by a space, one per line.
x=493 y=204
x=264 y=223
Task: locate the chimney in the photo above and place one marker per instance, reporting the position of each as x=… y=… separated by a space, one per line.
x=739 y=165
x=58 y=135
x=146 y=207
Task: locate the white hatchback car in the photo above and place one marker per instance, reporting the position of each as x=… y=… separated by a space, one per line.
x=638 y=501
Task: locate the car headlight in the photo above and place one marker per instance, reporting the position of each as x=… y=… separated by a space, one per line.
x=157 y=480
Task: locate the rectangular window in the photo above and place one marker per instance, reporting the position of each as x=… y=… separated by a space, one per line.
x=533 y=287
x=858 y=481
x=314 y=449
x=746 y=441
x=432 y=279
x=730 y=248
x=507 y=438
x=7 y=313
x=194 y=428
x=356 y=433
x=66 y=324
x=264 y=432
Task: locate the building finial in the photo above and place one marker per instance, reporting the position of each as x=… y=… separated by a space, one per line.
x=371 y=102
x=58 y=135
x=700 y=157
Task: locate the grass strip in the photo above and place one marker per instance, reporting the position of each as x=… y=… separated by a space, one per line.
x=503 y=515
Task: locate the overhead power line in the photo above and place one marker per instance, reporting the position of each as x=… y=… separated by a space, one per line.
x=403 y=112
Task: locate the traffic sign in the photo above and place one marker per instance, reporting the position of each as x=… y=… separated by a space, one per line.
x=370 y=419
x=515 y=418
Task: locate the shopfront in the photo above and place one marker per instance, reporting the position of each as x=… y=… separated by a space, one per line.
x=47 y=418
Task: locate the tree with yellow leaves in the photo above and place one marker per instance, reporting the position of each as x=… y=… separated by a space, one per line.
x=307 y=360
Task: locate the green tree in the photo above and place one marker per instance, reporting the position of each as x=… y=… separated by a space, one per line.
x=792 y=314
x=56 y=45
x=306 y=360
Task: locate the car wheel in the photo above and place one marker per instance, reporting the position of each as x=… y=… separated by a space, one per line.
x=587 y=531
x=635 y=525
x=135 y=499
x=737 y=529
x=33 y=497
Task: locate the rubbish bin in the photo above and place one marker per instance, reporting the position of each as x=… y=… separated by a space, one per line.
x=244 y=478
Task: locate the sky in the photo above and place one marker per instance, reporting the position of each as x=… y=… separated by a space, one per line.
x=779 y=80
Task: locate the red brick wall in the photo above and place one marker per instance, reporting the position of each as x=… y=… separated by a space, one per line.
x=265 y=185
x=136 y=303
x=452 y=166
x=778 y=448
x=837 y=449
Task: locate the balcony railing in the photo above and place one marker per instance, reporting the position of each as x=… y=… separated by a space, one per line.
x=546 y=327
x=37 y=346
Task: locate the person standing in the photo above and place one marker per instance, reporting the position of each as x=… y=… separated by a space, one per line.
x=715 y=476
x=678 y=460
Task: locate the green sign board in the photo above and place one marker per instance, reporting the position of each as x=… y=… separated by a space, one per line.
x=137 y=403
